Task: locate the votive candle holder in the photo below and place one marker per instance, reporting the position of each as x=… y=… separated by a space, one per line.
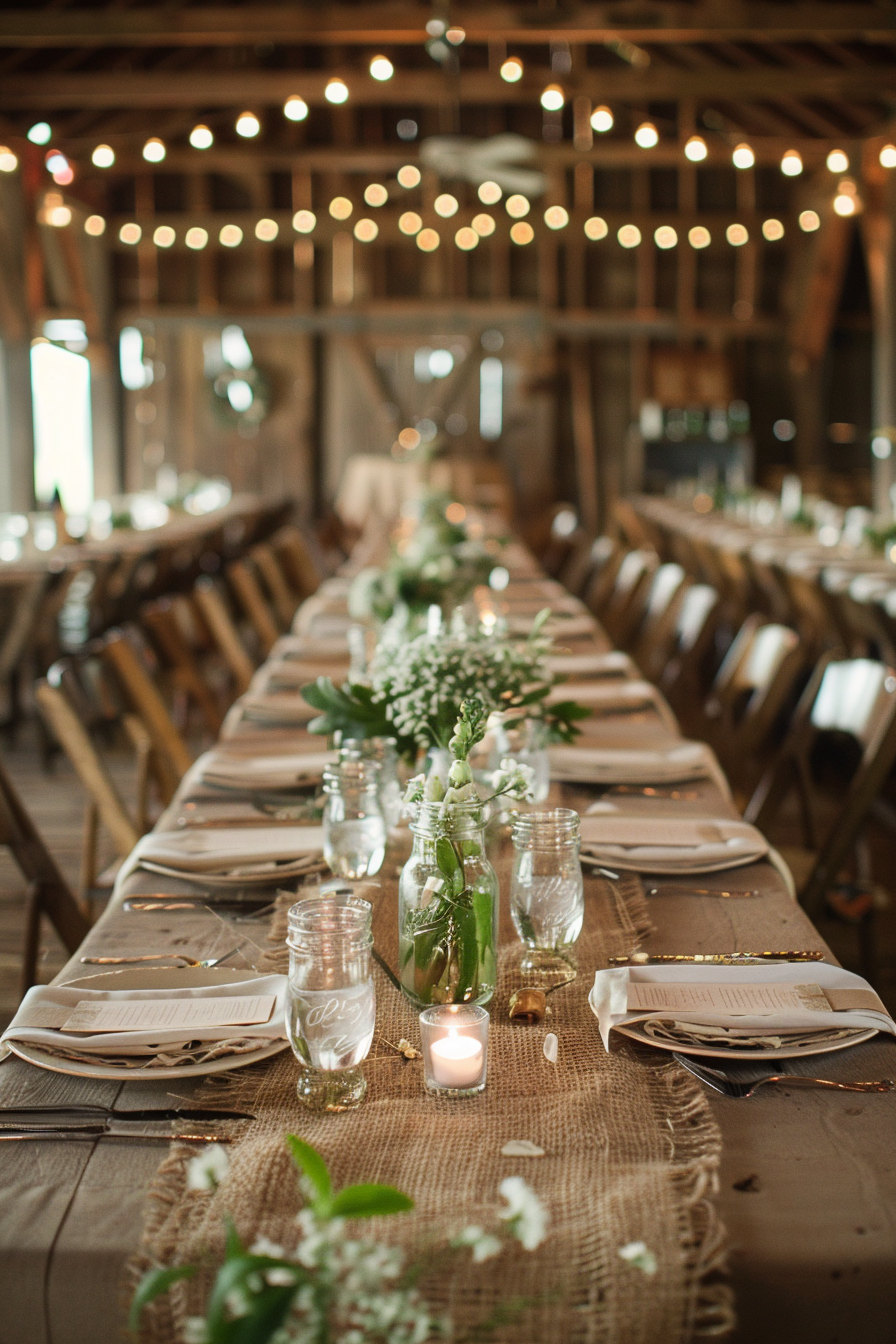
x=454 y=1038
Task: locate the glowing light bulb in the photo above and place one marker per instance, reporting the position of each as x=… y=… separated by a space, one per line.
x=8 y=161
x=809 y=221
x=596 y=228
x=466 y=239
x=376 y=194
x=196 y=239
x=489 y=193
x=484 y=225
x=336 y=91
x=629 y=235
x=410 y=222
x=522 y=232
x=602 y=119
x=247 y=125
x=553 y=98
x=428 y=240
x=772 y=230
x=737 y=235
x=164 y=236
x=517 y=206
x=845 y=204
x=230 y=236
x=340 y=207
x=445 y=205
x=95 y=226
x=154 y=150
x=665 y=237
x=695 y=149
x=512 y=70
x=40 y=133
x=888 y=156
x=266 y=230
x=792 y=163
x=556 y=217
x=201 y=137
x=130 y=234
x=103 y=156
x=699 y=237
x=381 y=68
x=303 y=221
x=742 y=156
x=837 y=161
x=408 y=176
x=295 y=108
x=647 y=136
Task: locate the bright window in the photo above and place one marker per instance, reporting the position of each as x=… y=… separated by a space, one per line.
x=491 y=397
x=63 y=427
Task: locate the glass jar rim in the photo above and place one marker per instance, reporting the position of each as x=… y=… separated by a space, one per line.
x=332 y=918
x=354 y=771
x=430 y=818
x=555 y=825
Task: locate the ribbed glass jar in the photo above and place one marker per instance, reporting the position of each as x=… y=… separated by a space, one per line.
x=384 y=751
x=448 y=929
x=547 y=900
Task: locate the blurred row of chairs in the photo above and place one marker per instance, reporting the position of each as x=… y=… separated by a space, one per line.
x=797 y=705
x=156 y=688
x=85 y=590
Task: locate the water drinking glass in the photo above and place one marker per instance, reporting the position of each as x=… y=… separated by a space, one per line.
x=330 y=998
x=383 y=750
x=546 y=890
x=354 y=826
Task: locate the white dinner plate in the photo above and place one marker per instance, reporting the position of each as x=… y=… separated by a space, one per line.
x=635 y=1031
x=188 y=977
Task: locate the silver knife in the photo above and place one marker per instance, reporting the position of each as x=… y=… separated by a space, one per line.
x=10 y=1116
x=112 y=1130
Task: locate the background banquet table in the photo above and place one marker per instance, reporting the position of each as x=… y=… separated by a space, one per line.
x=807 y=1186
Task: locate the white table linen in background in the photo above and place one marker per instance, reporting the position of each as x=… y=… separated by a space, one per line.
x=647 y=844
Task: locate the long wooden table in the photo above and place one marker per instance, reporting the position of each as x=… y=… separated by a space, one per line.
x=808 y=1179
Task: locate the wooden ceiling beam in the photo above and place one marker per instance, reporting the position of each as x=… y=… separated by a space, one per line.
x=396 y=24
x=232 y=88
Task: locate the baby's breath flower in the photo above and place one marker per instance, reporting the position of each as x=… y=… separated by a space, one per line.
x=208 y=1169
x=525 y=1212
x=637 y=1254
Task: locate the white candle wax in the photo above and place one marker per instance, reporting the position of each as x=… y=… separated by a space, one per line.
x=456 y=1061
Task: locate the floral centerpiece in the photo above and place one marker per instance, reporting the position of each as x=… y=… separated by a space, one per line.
x=331 y=1288
x=448 y=891
x=436 y=563
x=414 y=688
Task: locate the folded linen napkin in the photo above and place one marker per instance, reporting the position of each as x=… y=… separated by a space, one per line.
x=650 y=844
x=617 y=697
x=630 y=765
x=521 y=604
x=614 y=664
x=45 y=1008
x=307 y=648
x=561 y=627
x=230 y=770
x=289 y=675
x=227 y=850
x=278 y=707
x=848 y=1003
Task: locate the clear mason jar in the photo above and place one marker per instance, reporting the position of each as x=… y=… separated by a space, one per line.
x=384 y=751
x=354 y=827
x=524 y=741
x=330 y=998
x=448 y=937
x=547 y=899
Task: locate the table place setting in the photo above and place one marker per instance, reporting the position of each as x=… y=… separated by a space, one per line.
x=561 y=626
x=677 y=763
x=228 y=857
x=151 y=1022
x=282 y=709
x=309 y=649
x=782 y=1009
x=587 y=665
x=226 y=769
x=605 y=698
x=647 y=843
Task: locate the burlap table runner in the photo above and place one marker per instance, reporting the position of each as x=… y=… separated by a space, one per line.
x=631 y=1154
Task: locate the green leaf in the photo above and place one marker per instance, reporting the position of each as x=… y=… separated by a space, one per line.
x=369 y=1201
x=450 y=865
x=483 y=906
x=268 y=1306
x=234 y=1243
x=467 y=948
x=314 y=1168
x=152 y=1285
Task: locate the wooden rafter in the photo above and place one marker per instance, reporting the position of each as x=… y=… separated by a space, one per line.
x=397 y=24
x=226 y=88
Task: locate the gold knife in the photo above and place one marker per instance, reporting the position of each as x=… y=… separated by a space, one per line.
x=712 y=958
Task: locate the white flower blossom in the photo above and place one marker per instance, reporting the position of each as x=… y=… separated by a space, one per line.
x=484 y=1245
x=195 y=1330
x=264 y=1246
x=637 y=1254
x=527 y=1216
x=513 y=779
x=208 y=1169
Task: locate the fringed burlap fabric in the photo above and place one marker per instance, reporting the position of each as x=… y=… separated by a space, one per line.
x=631 y=1154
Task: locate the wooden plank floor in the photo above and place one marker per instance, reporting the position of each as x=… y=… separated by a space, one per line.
x=56 y=802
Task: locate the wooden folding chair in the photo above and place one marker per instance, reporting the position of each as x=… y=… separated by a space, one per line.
x=283 y=598
x=214 y=609
x=624 y=608
x=848 y=707
x=244 y=584
x=751 y=691
x=172 y=759
x=105 y=805
x=683 y=677
x=652 y=639
x=48 y=892
x=298 y=560
x=171 y=625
